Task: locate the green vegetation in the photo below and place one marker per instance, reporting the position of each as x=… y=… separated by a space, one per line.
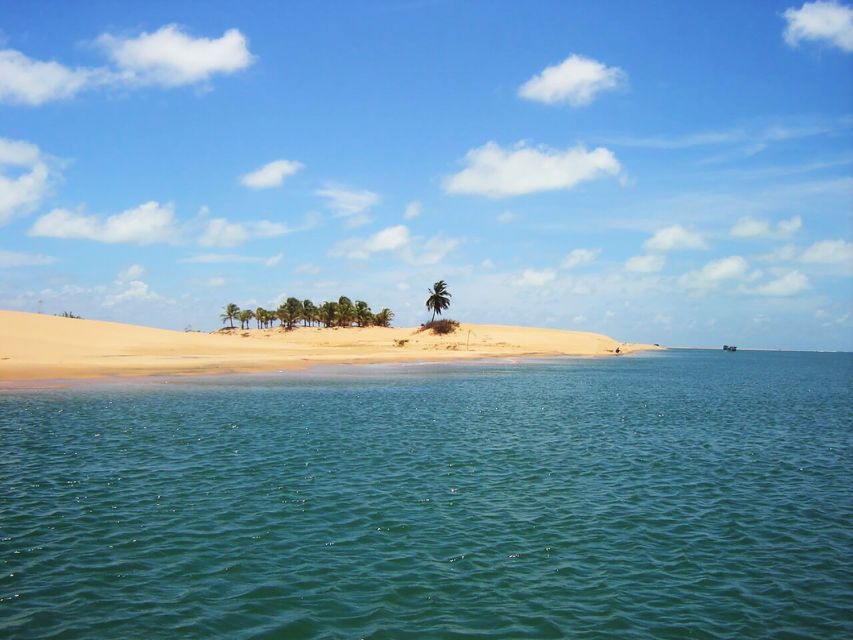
x=343 y=313
x=439 y=299
x=441 y=327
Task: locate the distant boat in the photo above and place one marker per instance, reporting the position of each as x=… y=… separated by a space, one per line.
x=727 y=347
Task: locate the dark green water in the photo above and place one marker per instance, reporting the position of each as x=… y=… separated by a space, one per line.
x=685 y=494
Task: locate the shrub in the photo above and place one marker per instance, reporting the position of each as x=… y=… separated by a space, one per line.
x=441 y=327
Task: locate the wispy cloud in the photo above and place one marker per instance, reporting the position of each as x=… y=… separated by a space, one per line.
x=232 y=258
x=12 y=259
x=349 y=203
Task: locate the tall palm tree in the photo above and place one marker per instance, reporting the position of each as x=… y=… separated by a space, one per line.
x=260 y=315
x=383 y=318
x=231 y=311
x=309 y=312
x=328 y=313
x=363 y=314
x=439 y=298
x=293 y=311
x=281 y=314
x=346 y=312
x=245 y=316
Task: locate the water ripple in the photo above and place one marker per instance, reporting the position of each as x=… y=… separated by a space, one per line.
x=682 y=494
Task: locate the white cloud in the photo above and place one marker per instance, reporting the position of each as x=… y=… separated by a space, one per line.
x=431 y=251
x=536 y=278
x=346 y=202
x=506 y=217
x=11 y=259
x=827 y=22
x=413 y=210
x=25 y=178
x=675 y=238
x=273 y=260
x=32 y=82
x=786 y=285
x=387 y=239
x=780 y=254
x=645 y=264
x=829 y=252
x=792 y=225
x=216 y=281
x=271 y=174
x=755 y=228
x=136 y=290
x=170 y=57
x=269 y=229
x=575 y=81
x=750 y=228
x=232 y=258
x=715 y=272
x=221 y=233
x=148 y=223
x=488 y=263
x=578 y=257
x=133 y=272
x=307 y=268
x=499 y=173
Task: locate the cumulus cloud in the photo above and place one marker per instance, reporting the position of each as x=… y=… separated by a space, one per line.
x=12 y=259
x=789 y=284
x=536 y=278
x=146 y=224
x=675 y=238
x=578 y=257
x=29 y=82
x=25 y=178
x=576 y=81
x=829 y=252
x=645 y=264
x=715 y=272
x=387 y=239
x=169 y=57
x=826 y=22
x=495 y=172
x=271 y=174
x=756 y=228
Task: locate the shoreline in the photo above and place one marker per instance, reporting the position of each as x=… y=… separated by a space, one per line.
x=37 y=348
x=312 y=370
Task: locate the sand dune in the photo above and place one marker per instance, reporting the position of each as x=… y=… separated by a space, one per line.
x=42 y=347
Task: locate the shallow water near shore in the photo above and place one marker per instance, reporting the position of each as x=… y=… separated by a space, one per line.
x=666 y=495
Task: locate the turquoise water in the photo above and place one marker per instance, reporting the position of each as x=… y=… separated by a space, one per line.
x=682 y=494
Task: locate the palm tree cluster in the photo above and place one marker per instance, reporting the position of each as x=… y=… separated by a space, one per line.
x=343 y=313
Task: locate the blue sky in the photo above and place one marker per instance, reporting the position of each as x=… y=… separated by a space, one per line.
x=666 y=172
